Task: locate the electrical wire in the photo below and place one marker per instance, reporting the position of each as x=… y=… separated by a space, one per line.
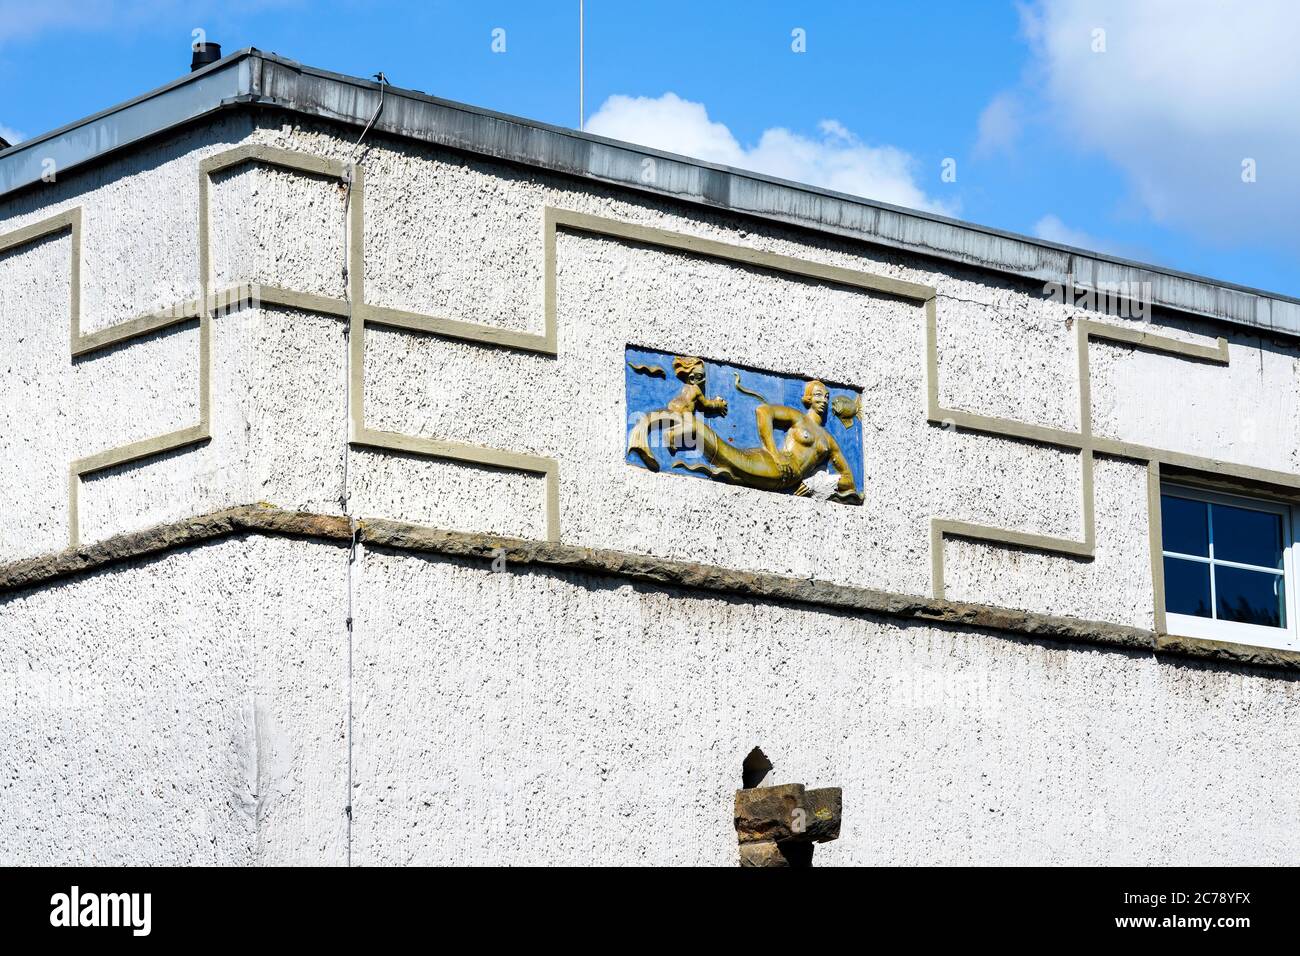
x=345 y=498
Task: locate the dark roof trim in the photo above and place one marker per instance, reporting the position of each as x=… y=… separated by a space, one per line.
x=250 y=77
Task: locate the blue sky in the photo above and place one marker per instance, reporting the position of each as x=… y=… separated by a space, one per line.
x=1131 y=141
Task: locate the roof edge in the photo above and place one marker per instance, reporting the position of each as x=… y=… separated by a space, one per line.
x=249 y=77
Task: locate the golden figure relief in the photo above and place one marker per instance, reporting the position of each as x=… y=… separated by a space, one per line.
x=790 y=466
x=845 y=409
x=654 y=371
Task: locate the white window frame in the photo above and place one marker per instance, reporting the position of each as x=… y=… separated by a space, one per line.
x=1236 y=632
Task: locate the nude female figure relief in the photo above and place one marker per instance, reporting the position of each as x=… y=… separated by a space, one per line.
x=806 y=448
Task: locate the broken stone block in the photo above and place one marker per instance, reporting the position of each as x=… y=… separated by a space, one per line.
x=770 y=813
x=823 y=808
x=762 y=853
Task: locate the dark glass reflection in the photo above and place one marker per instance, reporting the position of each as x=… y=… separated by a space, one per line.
x=1183 y=526
x=1252 y=597
x=1187 y=587
x=1248 y=537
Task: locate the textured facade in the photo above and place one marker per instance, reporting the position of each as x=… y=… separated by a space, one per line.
x=409 y=336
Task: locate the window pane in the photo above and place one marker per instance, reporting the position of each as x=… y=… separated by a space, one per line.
x=1253 y=597
x=1183 y=525
x=1187 y=587
x=1251 y=537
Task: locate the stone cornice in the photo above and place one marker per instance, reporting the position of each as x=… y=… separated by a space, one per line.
x=34 y=573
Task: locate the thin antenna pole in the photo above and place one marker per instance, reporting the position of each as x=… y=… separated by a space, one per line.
x=582 y=112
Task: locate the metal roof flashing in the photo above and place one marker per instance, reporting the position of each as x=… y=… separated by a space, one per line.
x=251 y=78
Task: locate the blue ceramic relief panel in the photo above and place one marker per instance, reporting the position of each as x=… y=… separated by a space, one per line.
x=647 y=392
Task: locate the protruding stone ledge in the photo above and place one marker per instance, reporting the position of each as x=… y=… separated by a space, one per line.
x=260 y=519
x=664 y=572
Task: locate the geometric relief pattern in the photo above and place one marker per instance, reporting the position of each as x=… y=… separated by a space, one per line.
x=361 y=315
x=351 y=308
x=1087 y=445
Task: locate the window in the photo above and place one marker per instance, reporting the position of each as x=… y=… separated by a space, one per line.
x=1227 y=562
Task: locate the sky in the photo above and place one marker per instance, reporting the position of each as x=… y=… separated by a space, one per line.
x=1166 y=131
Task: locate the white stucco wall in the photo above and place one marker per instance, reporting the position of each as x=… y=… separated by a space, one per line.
x=536 y=717
x=460 y=238
x=186 y=710
x=193 y=709
x=525 y=717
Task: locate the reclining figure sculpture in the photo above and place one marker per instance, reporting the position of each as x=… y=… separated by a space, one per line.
x=805 y=451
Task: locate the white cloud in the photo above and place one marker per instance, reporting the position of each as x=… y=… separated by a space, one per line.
x=999 y=125
x=25 y=19
x=1051 y=228
x=1184 y=92
x=19 y=20
x=835 y=159
x=11 y=135
x=667 y=122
